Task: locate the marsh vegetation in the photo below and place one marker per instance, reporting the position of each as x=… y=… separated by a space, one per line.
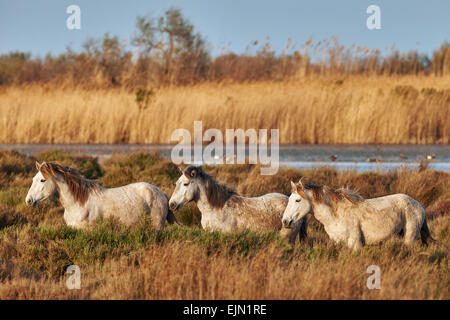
x=187 y=262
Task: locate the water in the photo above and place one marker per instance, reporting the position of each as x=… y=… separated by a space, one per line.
x=385 y=157
x=299 y=156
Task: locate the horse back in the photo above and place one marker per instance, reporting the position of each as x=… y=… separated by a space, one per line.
x=128 y=201
x=384 y=216
x=397 y=203
x=270 y=203
x=261 y=213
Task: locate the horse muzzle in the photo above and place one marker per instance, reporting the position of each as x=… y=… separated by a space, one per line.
x=31 y=202
x=288 y=223
x=174 y=206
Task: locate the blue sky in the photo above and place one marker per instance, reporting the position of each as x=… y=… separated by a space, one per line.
x=39 y=27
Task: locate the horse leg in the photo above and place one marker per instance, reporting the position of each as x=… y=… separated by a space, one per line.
x=354 y=240
x=411 y=233
x=157 y=207
x=158 y=215
x=354 y=244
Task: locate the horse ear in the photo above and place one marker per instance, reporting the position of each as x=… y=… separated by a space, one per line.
x=38 y=166
x=302 y=182
x=181 y=167
x=293 y=187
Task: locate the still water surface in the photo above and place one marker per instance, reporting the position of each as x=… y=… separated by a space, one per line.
x=349 y=157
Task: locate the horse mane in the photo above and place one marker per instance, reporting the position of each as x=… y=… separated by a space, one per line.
x=332 y=197
x=79 y=187
x=216 y=192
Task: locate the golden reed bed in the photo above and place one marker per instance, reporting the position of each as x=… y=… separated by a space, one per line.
x=352 y=109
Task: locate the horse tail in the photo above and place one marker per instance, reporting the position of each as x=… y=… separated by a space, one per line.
x=303 y=229
x=425 y=234
x=171 y=219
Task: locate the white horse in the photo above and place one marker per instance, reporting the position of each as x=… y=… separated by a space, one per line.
x=355 y=221
x=85 y=200
x=224 y=210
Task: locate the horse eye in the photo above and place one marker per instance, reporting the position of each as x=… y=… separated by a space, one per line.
x=42 y=180
x=298 y=200
x=186 y=184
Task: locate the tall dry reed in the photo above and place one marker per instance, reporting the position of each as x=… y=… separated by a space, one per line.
x=352 y=109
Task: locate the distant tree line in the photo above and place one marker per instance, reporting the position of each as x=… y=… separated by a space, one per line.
x=167 y=51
